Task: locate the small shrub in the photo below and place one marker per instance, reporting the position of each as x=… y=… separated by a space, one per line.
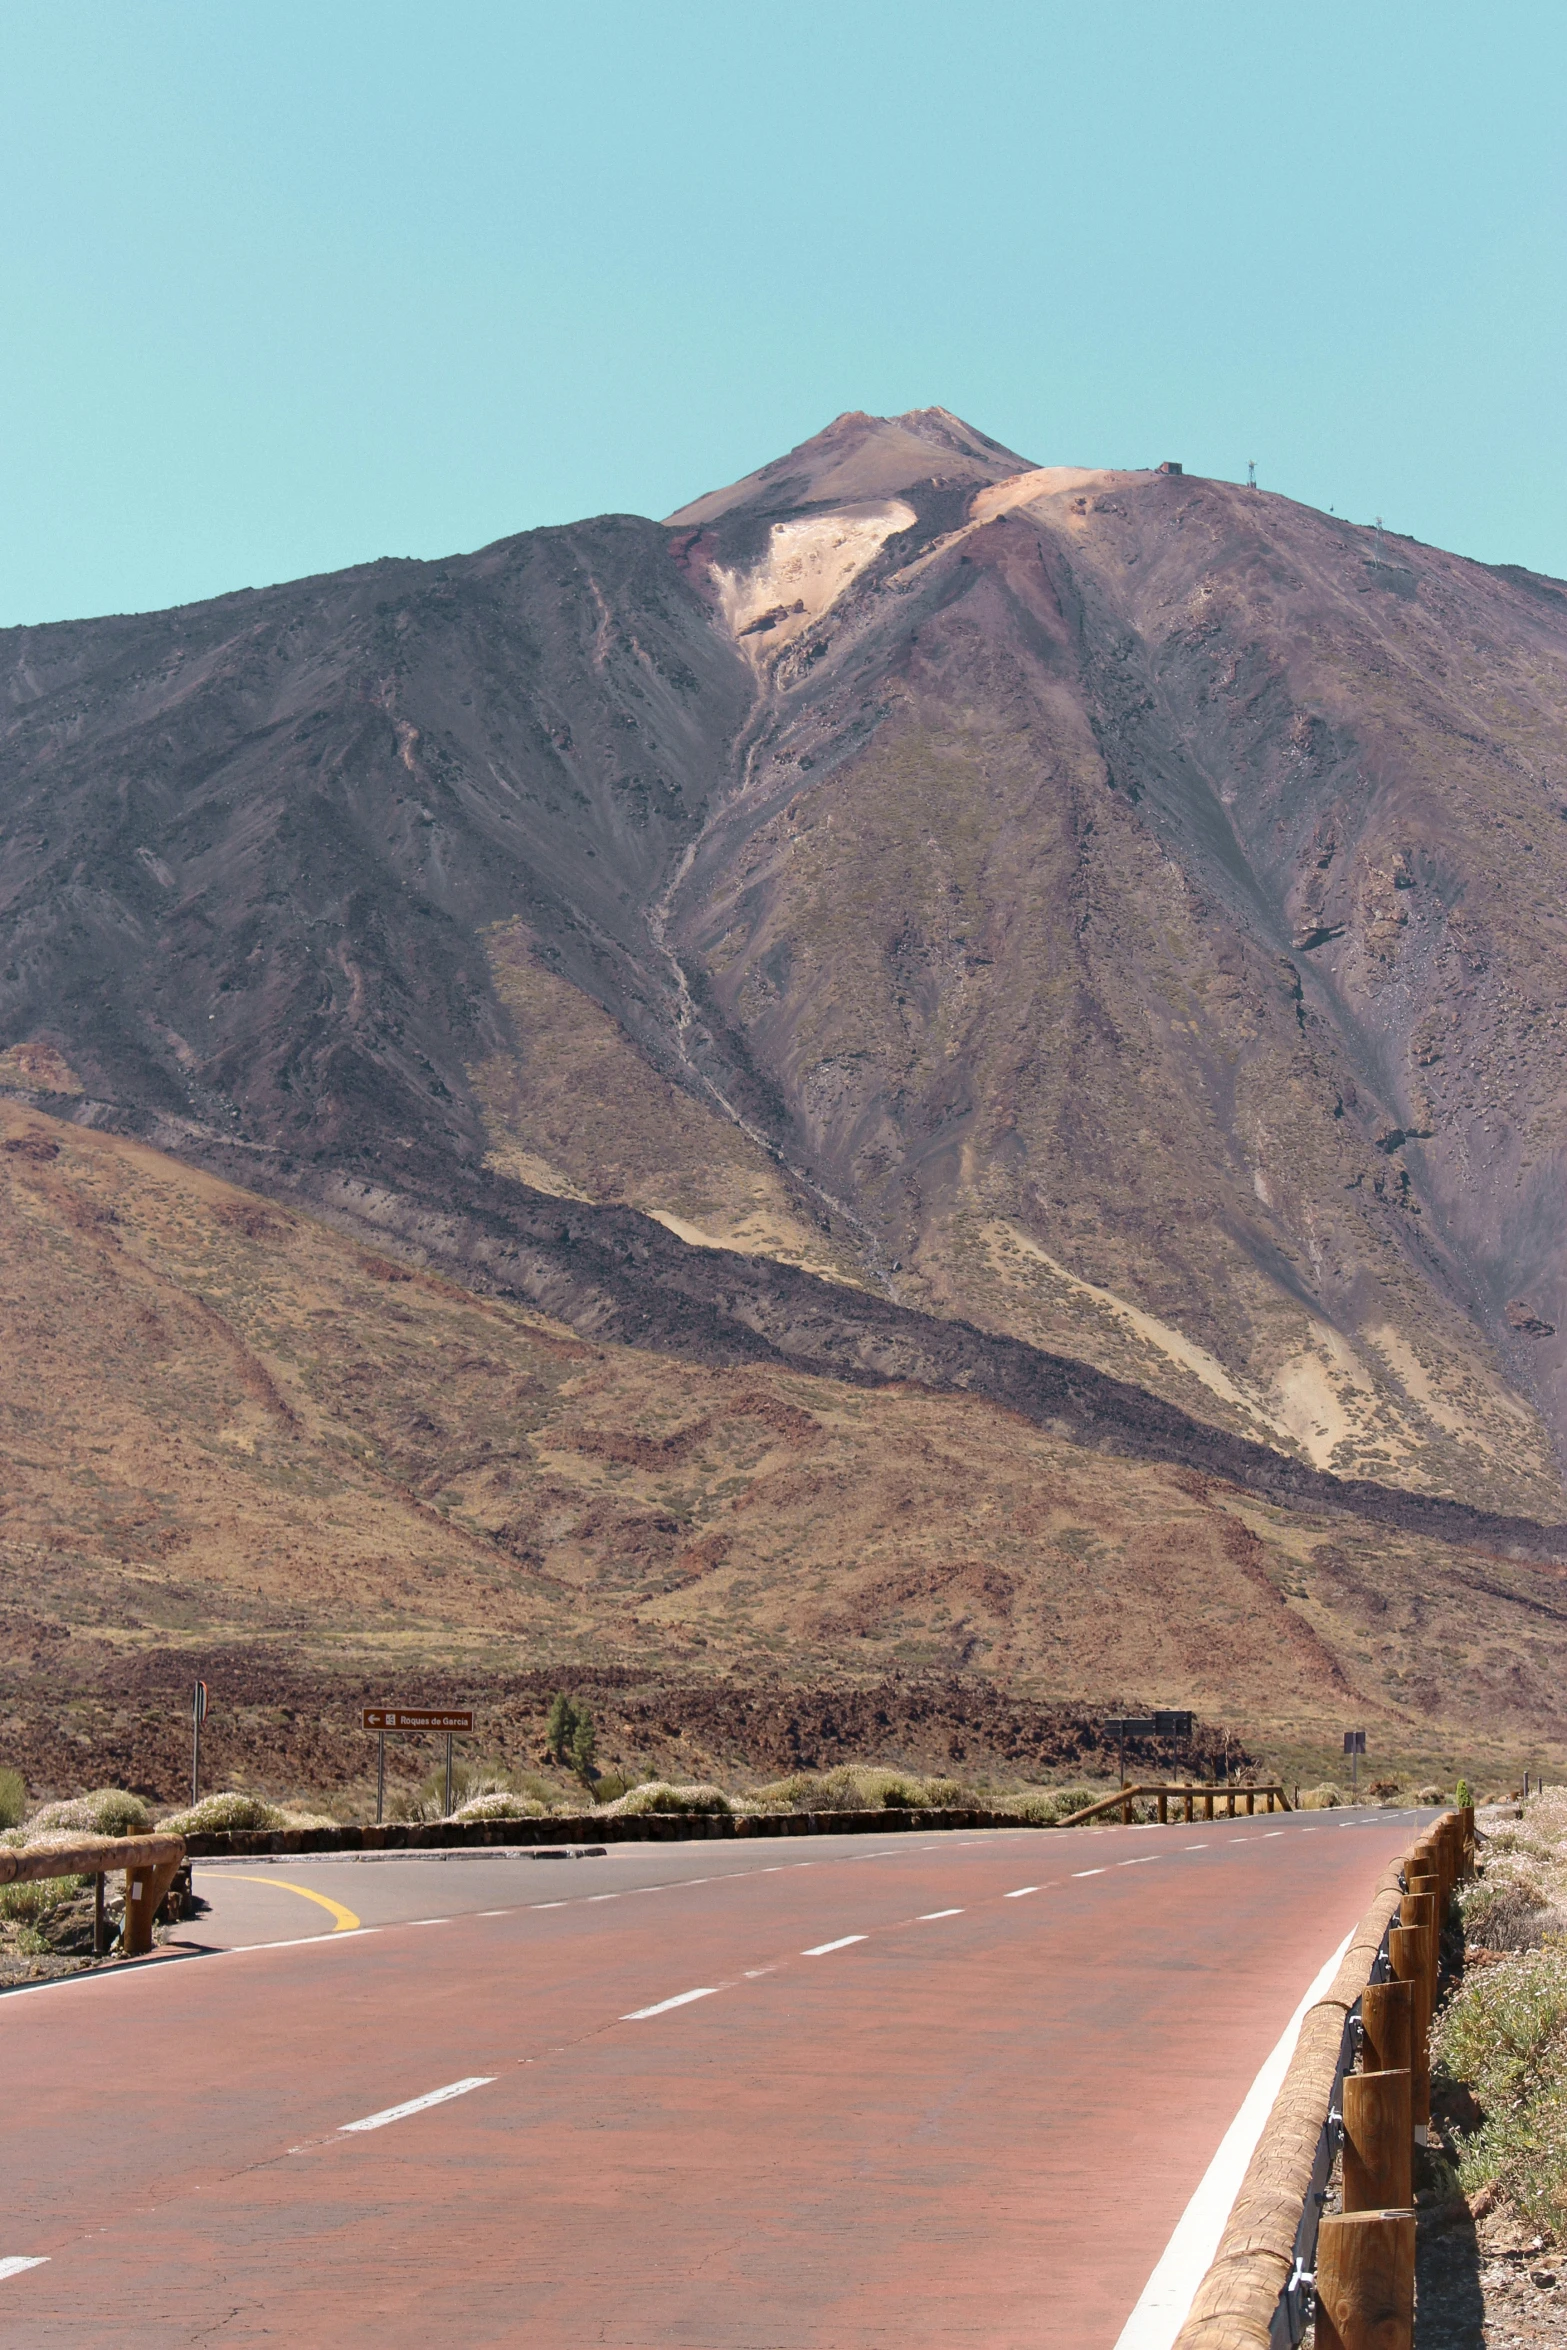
x=1426 y=1796
x=1508 y=1909
x=13 y=1798
x=659 y=1795
x=216 y=1813
x=1071 y=1799
x=584 y=1747
x=1463 y=1795
x=24 y=1905
x=1327 y=1797
x=107 y=1811
x=1504 y=2035
x=501 y=1803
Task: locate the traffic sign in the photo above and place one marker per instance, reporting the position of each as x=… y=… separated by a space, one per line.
x=198 y=1704
x=1354 y=1742
x=1172 y=1725
x=415 y=1717
x=1130 y=1726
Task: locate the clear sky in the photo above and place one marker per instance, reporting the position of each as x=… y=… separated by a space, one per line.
x=285 y=287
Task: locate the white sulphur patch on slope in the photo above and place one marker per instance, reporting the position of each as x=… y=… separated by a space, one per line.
x=809 y=563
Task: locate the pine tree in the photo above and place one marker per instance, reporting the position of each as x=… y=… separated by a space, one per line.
x=583 y=1747
x=560 y=1726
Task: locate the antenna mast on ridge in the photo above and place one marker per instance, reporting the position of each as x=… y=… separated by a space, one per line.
x=1251 y=473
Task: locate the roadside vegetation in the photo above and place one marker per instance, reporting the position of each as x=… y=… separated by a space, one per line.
x=1502 y=2036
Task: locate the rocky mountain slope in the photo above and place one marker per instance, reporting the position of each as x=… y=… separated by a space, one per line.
x=241 y=1443
x=1112 y=915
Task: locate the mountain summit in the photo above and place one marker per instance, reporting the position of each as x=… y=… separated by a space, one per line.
x=859 y=457
x=1026 y=916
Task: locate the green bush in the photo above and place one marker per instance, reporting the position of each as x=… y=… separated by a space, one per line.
x=1463 y=1795
x=659 y=1795
x=13 y=1798
x=107 y=1811
x=215 y=1813
x=24 y=1905
x=1071 y=1799
x=584 y=1747
x=1504 y=2035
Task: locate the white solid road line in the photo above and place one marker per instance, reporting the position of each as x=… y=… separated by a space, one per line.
x=662 y=2007
x=925 y=1917
x=15 y=2262
x=1018 y=1892
x=396 y=2113
x=1161 y=2309
x=822 y=1948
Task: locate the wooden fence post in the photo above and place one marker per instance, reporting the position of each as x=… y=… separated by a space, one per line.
x=1164 y=1809
x=1366 y=2281
x=1378 y=2142
x=144 y=1891
x=1387 y=2017
x=1411 y=1964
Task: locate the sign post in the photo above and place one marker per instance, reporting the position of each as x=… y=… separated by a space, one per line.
x=1124 y=1726
x=198 y=1714
x=1354 y=1747
x=382 y=1718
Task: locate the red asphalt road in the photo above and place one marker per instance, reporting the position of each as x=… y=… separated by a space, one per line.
x=978 y=2126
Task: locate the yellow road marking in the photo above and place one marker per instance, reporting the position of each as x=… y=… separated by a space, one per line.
x=345 y=1921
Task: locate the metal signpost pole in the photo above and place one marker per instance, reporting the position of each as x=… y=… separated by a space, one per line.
x=380 y=1779
x=198 y=1714
x=448 y=1774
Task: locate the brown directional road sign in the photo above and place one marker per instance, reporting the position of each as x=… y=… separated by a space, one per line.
x=414 y=1717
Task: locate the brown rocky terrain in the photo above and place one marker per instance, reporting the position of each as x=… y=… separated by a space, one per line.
x=240 y=1442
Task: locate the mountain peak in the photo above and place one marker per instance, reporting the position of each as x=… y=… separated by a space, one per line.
x=859 y=457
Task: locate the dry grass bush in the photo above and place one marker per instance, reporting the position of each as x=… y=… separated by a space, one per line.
x=501 y=1803
x=13 y=1799
x=480 y=1791
x=1509 y=1909
x=232 y=1809
x=659 y=1795
x=1046 y=1805
x=107 y=1811
x=863 y=1787
x=1327 y=1797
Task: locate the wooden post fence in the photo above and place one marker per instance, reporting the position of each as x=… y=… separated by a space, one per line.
x=149 y=1863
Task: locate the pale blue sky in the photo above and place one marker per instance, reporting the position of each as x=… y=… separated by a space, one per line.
x=285 y=287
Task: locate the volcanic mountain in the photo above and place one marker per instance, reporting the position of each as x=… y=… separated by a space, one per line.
x=1090 y=937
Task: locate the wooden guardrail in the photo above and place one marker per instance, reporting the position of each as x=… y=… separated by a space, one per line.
x=1360 y=2260
x=149 y=1863
x=1183 y=1793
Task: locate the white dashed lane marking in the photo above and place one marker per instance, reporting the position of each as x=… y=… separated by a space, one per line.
x=640 y=2015
x=927 y=1916
x=15 y=2262
x=1087 y=1873
x=822 y=1948
x=397 y=2113
x=1018 y=1892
